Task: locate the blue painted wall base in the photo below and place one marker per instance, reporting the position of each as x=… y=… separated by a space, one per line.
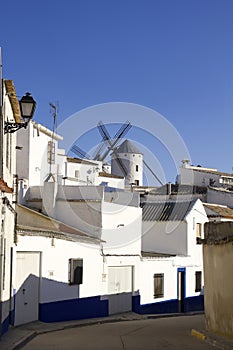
x=74 y=309
x=169 y=306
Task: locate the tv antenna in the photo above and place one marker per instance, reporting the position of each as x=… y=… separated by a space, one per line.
x=51 y=153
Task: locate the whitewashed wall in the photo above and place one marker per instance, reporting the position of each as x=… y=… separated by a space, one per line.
x=111 y=181
x=188 y=176
x=55 y=267
x=6 y=214
x=196 y=216
x=32 y=160
x=87 y=174
x=148 y=268
x=168 y=266
x=164 y=237
x=121 y=228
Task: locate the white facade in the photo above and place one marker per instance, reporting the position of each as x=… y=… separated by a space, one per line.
x=169 y=267
x=79 y=172
x=170 y=248
x=10 y=113
x=110 y=277
x=200 y=176
x=38 y=155
x=175 y=237
x=79 y=194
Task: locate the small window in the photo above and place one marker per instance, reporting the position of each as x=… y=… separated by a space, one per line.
x=158 y=285
x=198 y=232
x=76 y=173
x=136 y=167
x=75 y=271
x=136 y=182
x=197 y=281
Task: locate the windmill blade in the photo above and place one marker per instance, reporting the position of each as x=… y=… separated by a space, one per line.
x=98 y=151
x=103 y=131
x=106 y=137
x=79 y=152
x=123 y=130
x=120 y=163
x=152 y=172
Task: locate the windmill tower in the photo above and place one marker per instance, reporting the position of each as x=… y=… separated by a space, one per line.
x=132 y=160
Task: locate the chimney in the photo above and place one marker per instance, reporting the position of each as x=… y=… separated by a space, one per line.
x=169 y=188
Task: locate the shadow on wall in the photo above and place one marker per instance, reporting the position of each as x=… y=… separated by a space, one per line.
x=53 y=301
x=190 y=304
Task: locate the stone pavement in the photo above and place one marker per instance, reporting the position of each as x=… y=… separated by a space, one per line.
x=17 y=337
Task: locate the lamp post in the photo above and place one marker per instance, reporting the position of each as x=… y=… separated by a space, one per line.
x=27 y=108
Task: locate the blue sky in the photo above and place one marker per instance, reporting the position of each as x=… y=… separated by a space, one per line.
x=173 y=56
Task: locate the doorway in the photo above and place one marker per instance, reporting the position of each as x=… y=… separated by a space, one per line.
x=181 y=288
x=27 y=287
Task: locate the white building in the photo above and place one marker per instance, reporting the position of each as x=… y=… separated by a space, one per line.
x=10 y=113
x=79 y=195
x=58 y=273
x=200 y=176
x=133 y=268
x=172 y=265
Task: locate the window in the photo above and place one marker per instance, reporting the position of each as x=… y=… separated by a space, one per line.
x=197 y=281
x=136 y=182
x=158 y=285
x=136 y=167
x=75 y=271
x=198 y=233
x=51 y=152
x=76 y=173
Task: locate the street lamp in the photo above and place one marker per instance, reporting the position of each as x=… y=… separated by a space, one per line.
x=27 y=108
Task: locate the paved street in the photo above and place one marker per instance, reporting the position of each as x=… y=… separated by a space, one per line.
x=164 y=333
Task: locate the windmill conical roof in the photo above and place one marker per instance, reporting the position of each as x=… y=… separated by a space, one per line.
x=128 y=147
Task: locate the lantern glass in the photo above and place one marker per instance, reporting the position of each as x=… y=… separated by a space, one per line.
x=27 y=106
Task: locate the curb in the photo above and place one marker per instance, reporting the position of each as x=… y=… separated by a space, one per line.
x=23 y=341
x=84 y=323
x=198 y=334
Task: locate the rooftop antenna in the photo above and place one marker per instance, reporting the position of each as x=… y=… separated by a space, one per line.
x=54 y=111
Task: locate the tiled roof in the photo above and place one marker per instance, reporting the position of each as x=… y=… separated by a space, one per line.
x=80 y=161
x=216 y=172
x=128 y=147
x=166 y=211
x=218 y=210
x=4 y=187
x=110 y=175
x=31 y=221
x=10 y=89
